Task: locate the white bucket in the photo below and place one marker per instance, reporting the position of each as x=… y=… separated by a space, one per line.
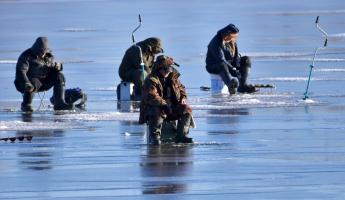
x=217 y=85
x=126 y=90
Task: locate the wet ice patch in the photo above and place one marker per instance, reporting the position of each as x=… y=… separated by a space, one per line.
x=275 y=54
x=102 y=116
x=8 y=61
x=330 y=70
x=111 y=88
x=245 y=101
x=337 y=35
x=27 y=126
x=290 y=56
x=296 y=79
x=304 y=12
x=76 y=29
x=308 y=101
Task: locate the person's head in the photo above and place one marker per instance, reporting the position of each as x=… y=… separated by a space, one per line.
x=163 y=66
x=154 y=44
x=229 y=33
x=40 y=47
x=232 y=37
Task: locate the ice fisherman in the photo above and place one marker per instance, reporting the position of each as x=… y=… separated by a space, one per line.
x=224 y=59
x=37 y=71
x=130 y=69
x=165 y=98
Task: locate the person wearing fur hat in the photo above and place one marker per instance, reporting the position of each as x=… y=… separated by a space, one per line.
x=224 y=59
x=143 y=52
x=165 y=98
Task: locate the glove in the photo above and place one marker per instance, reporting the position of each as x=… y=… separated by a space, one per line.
x=58 y=66
x=29 y=87
x=166 y=109
x=238 y=74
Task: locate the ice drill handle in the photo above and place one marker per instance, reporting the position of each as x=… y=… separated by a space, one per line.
x=325 y=42
x=317 y=20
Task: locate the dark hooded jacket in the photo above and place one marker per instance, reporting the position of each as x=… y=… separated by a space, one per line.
x=154 y=92
x=30 y=65
x=131 y=60
x=218 y=52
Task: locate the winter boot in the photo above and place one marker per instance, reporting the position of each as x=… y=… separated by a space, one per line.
x=59 y=98
x=232 y=87
x=155 y=128
x=183 y=129
x=27 y=100
x=247 y=89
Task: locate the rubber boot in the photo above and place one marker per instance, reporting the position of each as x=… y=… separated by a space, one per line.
x=245 y=65
x=27 y=100
x=183 y=129
x=59 y=98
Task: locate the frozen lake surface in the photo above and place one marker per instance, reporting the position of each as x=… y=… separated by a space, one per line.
x=270 y=145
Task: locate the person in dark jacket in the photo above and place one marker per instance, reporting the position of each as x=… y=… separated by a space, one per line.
x=224 y=59
x=165 y=98
x=37 y=71
x=138 y=61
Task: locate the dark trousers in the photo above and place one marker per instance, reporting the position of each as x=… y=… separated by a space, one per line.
x=54 y=79
x=227 y=74
x=180 y=112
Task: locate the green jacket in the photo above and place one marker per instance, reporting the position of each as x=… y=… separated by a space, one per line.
x=131 y=60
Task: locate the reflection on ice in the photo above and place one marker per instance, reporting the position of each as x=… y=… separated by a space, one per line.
x=161 y=168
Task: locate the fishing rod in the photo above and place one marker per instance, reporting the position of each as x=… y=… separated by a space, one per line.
x=315 y=52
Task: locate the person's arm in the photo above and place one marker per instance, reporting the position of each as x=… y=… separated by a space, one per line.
x=183 y=93
x=151 y=95
x=217 y=53
x=22 y=68
x=51 y=63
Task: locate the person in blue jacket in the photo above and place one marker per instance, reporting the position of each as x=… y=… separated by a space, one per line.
x=224 y=59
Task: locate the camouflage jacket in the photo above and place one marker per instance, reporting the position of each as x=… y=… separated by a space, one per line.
x=153 y=93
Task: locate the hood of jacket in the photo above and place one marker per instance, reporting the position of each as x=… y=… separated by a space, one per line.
x=152 y=44
x=40 y=46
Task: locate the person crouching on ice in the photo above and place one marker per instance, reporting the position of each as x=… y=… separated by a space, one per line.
x=165 y=99
x=224 y=59
x=37 y=71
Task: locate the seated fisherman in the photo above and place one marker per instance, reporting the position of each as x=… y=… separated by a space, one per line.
x=37 y=71
x=224 y=59
x=164 y=98
x=143 y=52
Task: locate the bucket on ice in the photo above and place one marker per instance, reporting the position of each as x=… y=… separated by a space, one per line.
x=125 y=91
x=217 y=85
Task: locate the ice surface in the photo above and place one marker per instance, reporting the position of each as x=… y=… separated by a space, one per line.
x=271 y=145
